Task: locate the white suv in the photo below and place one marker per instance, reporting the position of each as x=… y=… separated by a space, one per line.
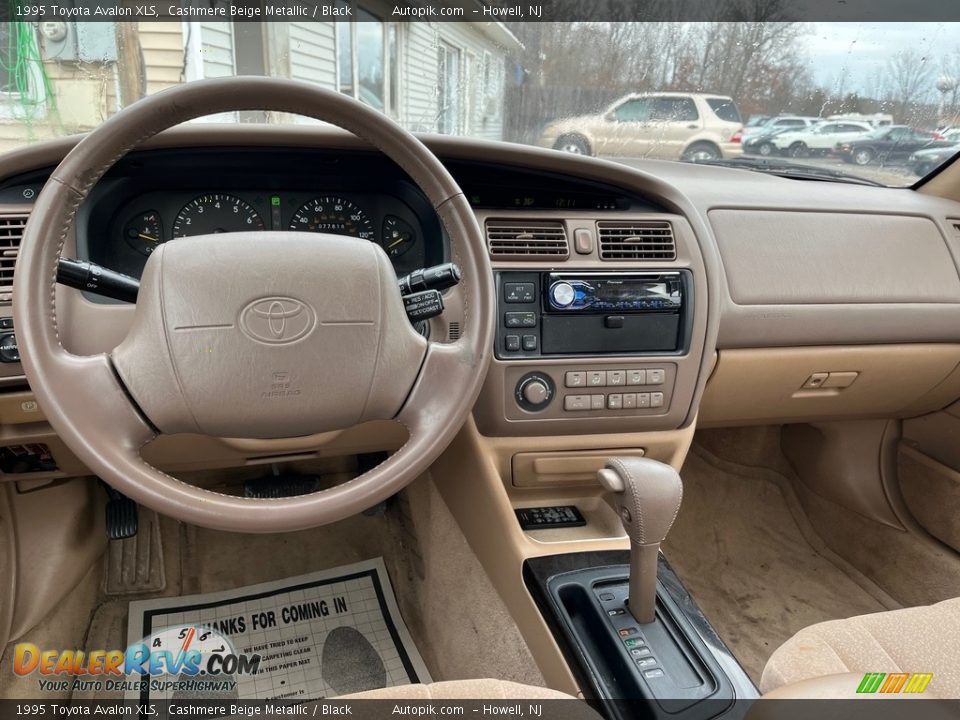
x=820 y=139
x=671 y=126
x=781 y=122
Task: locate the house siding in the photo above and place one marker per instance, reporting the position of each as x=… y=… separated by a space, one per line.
x=313 y=53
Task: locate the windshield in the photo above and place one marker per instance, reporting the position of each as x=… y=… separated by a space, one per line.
x=629 y=92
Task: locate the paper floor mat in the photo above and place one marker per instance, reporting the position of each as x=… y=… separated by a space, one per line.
x=319 y=635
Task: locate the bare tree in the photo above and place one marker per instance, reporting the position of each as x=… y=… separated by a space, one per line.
x=909 y=80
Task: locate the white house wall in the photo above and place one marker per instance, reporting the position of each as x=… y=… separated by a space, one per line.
x=313 y=53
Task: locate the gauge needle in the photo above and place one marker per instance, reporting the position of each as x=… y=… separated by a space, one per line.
x=398 y=241
x=148 y=238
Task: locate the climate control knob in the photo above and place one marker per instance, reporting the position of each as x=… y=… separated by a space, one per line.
x=534 y=391
x=562 y=294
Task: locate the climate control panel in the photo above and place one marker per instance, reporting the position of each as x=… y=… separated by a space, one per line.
x=587 y=390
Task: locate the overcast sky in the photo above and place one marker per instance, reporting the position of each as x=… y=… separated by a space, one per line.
x=844 y=55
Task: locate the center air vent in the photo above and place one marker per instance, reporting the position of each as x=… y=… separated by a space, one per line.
x=636 y=240
x=527 y=239
x=11 y=232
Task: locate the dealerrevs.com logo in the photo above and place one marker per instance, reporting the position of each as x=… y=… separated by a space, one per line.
x=187 y=653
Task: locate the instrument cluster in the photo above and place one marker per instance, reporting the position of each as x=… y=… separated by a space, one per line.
x=153 y=218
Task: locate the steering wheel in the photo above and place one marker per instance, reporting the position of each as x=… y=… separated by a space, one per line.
x=253 y=334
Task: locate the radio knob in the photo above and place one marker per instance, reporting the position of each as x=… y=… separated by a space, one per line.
x=562 y=294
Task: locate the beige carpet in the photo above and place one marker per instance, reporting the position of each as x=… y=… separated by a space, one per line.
x=744 y=550
x=457 y=620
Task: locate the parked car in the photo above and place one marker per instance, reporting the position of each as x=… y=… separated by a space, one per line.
x=923 y=162
x=794 y=122
x=872 y=119
x=819 y=139
x=896 y=142
x=674 y=126
x=762 y=144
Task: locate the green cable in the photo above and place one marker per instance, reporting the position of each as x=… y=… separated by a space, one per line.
x=23 y=63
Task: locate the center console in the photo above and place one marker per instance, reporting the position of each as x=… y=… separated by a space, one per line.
x=607 y=339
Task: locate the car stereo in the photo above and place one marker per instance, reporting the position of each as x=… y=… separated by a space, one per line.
x=591 y=313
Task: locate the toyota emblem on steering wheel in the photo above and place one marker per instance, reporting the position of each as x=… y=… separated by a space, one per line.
x=277 y=320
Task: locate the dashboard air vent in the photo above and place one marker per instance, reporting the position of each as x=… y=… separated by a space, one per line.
x=527 y=239
x=955 y=222
x=636 y=240
x=11 y=232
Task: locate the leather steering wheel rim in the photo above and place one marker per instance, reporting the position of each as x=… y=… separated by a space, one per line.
x=89 y=406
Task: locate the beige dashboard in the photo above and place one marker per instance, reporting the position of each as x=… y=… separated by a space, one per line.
x=805 y=300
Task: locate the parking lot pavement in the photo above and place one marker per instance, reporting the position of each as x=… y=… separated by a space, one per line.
x=894 y=174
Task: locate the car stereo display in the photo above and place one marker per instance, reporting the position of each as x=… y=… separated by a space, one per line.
x=614 y=293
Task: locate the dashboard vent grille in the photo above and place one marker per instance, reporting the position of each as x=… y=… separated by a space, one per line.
x=636 y=240
x=956 y=224
x=11 y=232
x=527 y=239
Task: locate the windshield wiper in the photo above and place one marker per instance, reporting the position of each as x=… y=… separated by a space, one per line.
x=786 y=169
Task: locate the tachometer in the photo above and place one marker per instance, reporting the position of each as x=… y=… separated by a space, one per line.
x=333 y=215
x=216 y=213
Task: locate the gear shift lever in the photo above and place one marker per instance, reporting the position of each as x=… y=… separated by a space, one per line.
x=648 y=495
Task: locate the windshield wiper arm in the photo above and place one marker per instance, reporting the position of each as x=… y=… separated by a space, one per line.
x=790 y=170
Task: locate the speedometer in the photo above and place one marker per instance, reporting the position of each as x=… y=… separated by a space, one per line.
x=333 y=215
x=216 y=213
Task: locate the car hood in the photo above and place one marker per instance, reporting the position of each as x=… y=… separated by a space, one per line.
x=934 y=152
x=573 y=122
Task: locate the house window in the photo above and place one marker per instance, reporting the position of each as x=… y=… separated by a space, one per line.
x=370 y=65
x=361 y=59
x=23 y=86
x=393 y=73
x=448 y=73
x=345 y=57
x=8 y=63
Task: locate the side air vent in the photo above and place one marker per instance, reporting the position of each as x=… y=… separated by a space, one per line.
x=636 y=240
x=955 y=222
x=527 y=239
x=11 y=232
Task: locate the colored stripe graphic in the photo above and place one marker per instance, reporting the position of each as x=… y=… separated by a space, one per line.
x=918 y=682
x=893 y=683
x=870 y=682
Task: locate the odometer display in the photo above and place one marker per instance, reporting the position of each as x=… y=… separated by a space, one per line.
x=216 y=213
x=333 y=215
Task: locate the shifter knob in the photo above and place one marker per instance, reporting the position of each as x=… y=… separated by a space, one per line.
x=647 y=495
